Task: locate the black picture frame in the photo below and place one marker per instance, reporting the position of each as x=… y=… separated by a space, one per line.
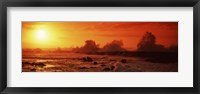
x=98 y=3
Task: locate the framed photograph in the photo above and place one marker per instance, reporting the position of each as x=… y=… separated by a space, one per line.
x=106 y=46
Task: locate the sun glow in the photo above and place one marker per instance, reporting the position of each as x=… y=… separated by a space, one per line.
x=41 y=35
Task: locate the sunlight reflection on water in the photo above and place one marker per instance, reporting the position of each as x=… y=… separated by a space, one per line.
x=48 y=66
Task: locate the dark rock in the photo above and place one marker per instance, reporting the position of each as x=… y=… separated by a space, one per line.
x=87 y=59
x=106 y=69
x=25 y=63
x=95 y=63
x=93 y=67
x=112 y=60
x=40 y=65
x=37 y=64
x=103 y=57
x=103 y=65
x=33 y=69
x=112 y=67
x=32 y=64
x=84 y=59
x=83 y=68
x=123 y=61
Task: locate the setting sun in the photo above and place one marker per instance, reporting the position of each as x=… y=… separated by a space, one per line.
x=41 y=35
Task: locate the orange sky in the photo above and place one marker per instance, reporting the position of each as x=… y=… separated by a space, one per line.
x=72 y=34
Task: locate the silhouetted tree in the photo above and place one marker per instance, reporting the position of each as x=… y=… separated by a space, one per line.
x=173 y=48
x=115 y=45
x=89 y=47
x=148 y=44
x=75 y=49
